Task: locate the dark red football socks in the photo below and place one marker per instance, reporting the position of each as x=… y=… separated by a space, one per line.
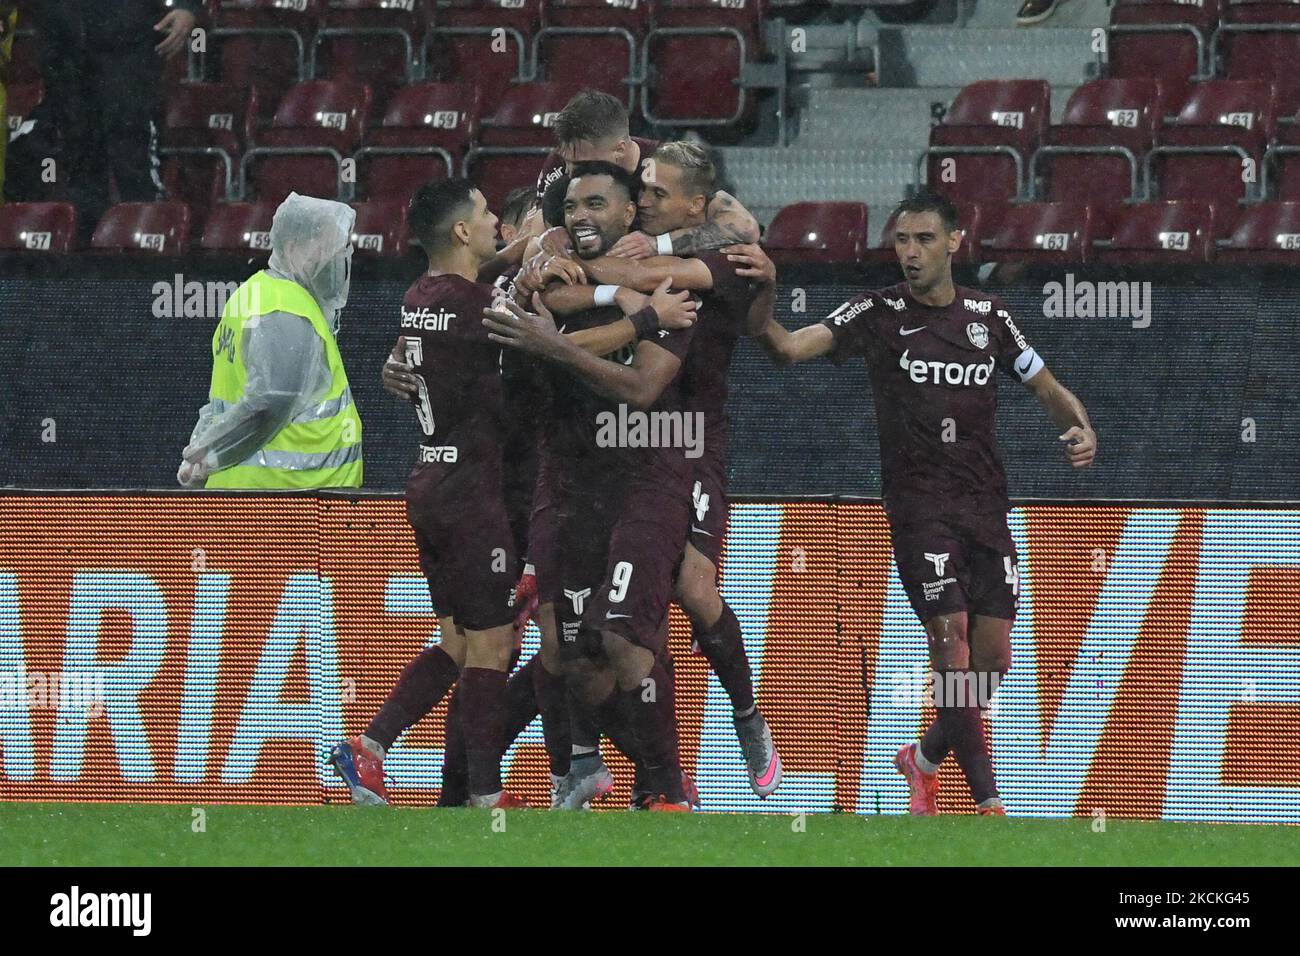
x=483 y=694
x=965 y=733
x=724 y=647
x=651 y=725
x=552 y=702
x=423 y=684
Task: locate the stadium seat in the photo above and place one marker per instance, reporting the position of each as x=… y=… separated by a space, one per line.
x=239 y=227
x=425 y=132
x=380 y=229
x=1041 y=233
x=1162 y=40
x=24 y=62
x=263 y=44
x=1265 y=233
x=516 y=138
x=206 y=127
x=694 y=59
x=975 y=220
x=1095 y=154
x=149 y=228
x=38 y=227
x=459 y=47
x=1213 y=152
x=23 y=98
x=817 y=232
x=1174 y=233
x=1260 y=40
x=317 y=125
x=981 y=150
x=376 y=42
x=594 y=43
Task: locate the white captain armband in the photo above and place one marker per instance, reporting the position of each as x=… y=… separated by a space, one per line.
x=605 y=294
x=664 y=244
x=1027 y=364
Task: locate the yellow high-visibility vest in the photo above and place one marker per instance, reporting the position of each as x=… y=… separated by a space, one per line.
x=321 y=446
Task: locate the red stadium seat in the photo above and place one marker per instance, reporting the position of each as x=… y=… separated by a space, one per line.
x=1095 y=154
x=516 y=138
x=1260 y=40
x=150 y=228
x=975 y=220
x=1265 y=234
x=1162 y=40
x=376 y=42
x=263 y=44
x=1174 y=233
x=206 y=127
x=38 y=227
x=425 y=132
x=1213 y=152
x=463 y=45
x=380 y=229
x=23 y=98
x=594 y=43
x=24 y=61
x=239 y=227
x=1042 y=233
x=981 y=150
x=815 y=232
x=694 y=58
x=317 y=126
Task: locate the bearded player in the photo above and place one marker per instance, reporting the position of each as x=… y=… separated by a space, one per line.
x=610 y=518
x=931 y=350
x=679 y=182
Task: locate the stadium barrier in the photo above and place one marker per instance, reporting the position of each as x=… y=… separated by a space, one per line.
x=209 y=649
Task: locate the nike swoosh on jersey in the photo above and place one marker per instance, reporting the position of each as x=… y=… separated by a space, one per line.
x=910 y=331
x=610 y=615
x=702 y=531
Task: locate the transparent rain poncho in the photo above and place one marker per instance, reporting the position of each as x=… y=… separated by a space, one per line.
x=311 y=244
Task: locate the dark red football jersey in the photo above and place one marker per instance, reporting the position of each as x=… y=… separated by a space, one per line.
x=460 y=405
x=932 y=378
x=553 y=167
x=601 y=447
x=721 y=321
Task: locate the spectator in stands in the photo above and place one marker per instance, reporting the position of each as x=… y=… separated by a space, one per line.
x=1035 y=11
x=280 y=413
x=101 y=63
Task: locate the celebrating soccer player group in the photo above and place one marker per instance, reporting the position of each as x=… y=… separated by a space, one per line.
x=570 y=394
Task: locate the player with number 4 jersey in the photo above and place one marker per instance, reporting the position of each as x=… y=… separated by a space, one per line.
x=933 y=352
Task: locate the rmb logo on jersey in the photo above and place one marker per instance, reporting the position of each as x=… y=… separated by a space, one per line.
x=975 y=305
x=978 y=333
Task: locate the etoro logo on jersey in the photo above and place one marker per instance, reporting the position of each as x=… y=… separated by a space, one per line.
x=946 y=373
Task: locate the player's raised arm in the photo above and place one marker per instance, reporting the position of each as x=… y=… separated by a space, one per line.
x=1067 y=413
x=729 y=222
x=673 y=310
x=788 y=348
x=639 y=384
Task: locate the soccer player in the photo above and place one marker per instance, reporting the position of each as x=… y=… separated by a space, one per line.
x=610 y=519
x=931 y=350
x=454 y=501
x=594 y=127
x=676 y=194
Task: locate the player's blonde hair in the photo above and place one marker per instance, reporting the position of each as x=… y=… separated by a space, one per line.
x=699 y=175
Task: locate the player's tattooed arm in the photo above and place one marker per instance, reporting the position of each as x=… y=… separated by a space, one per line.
x=729 y=223
x=1066 y=412
x=646 y=275
x=639 y=384
x=788 y=348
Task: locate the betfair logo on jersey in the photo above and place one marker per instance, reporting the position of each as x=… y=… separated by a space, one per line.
x=630 y=428
x=847 y=311
x=946 y=373
x=975 y=305
x=427 y=320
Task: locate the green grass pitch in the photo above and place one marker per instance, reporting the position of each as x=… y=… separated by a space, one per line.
x=72 y=834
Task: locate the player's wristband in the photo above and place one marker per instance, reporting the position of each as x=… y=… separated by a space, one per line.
x=664 y=244
x=646 y=322
x=605 y=294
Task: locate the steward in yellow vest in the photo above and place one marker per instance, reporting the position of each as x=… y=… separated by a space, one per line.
x=280 y=413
